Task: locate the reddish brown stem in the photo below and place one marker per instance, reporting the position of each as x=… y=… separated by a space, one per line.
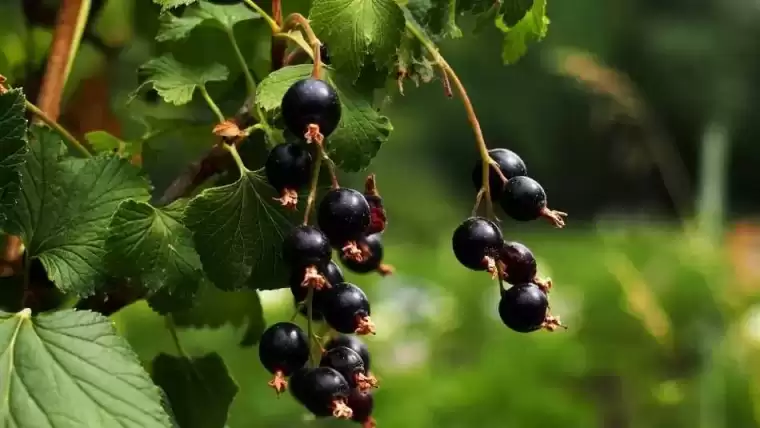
x=278 y=45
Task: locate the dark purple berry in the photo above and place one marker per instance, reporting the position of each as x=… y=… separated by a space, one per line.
x=363 y=404
x=476 y=243
x=288 y=169
x=523 y=199
x=346 y=309
x=524 y=308
x=351 y=342
x=349 y=364
x=324 y=54
x=510 y=164
x=343 y=215
x=311 y=102
x=519 y=263
x=306 y=246
x=283 y=349
x=323 y=391
x=332 y=275
x=372 y=257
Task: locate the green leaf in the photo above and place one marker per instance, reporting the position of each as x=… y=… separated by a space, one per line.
x=154 y=247
x=103 y=142
x=199 y=389
x=175 y=82
x=362 y=130
x=66 y=207
x=356 y=30
x=171 y=4
x=224 y=16
x=13 y=148
x=532 y=27
x=514 y=10
x=69 y=369
x=238 y=232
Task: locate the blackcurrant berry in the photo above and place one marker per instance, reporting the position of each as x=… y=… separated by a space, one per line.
x=306 y=246
x=519 y=265
x=524 y=200
x=510 y=164
x=346 y=309
x=371 y=259
x=299 y=286
x=525 y=308
x=311 y=108
x=351 y=342
x=344 y=216
x=476 y=243
x=324 y=54
x=288 y=169
x=349 y=364
x=362 y=403
x=323 y=391
x=283 y=349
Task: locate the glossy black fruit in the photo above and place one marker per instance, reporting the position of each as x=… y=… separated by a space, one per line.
x=519 y=263
x=283 y=348
x=347 y=362
x=351 y=342
x=523 y=199
x=324 y=54
x=372 y=249
x=320 y=390
x=306 y=246
x=363 y=404
x=475 y=241
x=346 y=309
x=311 y=102
x=332 y=274
x=524 y=308
x=343 y=215
x=510 y=164
x=288 y=167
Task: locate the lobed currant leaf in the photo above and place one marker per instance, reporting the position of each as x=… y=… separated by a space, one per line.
x=13 y=149
x=65 y=207
x=71 y=369
x=532 y=27
x=513 y=11
x=103 y=142
x=176 y=82
x=152 y=246
x=362 y=130
x=200 y=389
x=225 y=16
x=357 y=30
x=171 y=4
x=238 y=232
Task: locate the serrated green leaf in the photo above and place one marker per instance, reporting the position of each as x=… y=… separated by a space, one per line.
x=238 y=231
x=514 y=10
x=171 y=4
x=199 y=389
x=225 y=16
x=362 y=130
x=13 y=148
x=103 y=142
x=154 y=247
x=356 y=30
x=532 y=27
x=70 y=369
x=66 y=206
x=176 y=82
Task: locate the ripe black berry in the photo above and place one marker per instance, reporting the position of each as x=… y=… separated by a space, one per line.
x=362 y=403
x=349 y=364
x=524 y=200
x=323 y=391
x=346 y=309
x=371 y=259
x=510 y=164
x=324 y=54
x=288 y=169
x=311 y=108
x=299 y=286
x=519 y=265
x=283 y=349
x=351 y=342
x=344 y=216
x=306 y=246
x=476 y=243
x=525 y=308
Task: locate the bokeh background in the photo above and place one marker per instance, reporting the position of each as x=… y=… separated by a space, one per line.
x=639 y=117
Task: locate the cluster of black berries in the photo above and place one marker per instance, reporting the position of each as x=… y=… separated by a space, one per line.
x=350 y=222
x=479 y=245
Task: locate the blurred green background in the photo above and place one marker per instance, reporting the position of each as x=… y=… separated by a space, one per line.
x=639 y=117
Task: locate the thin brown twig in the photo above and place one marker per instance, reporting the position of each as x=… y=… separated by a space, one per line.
x=296 y=19
x=278 y=45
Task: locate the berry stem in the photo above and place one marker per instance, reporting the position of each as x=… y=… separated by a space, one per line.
x=172 y=327
x=485 y=190
x=296 y=19
x=236 y=156
x=211 y=104
x=272 y=23
x=310 y=321
x=313 y=188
